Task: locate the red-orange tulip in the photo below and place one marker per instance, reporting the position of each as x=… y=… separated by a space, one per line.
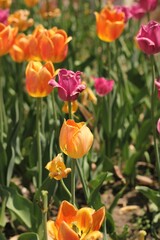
x=54 y=45
x=5 y=4
x=19 y=51
x=75 y=139
x=7 y=36
x=31 y=3
x=74 y=224
x=37 y=77
x=109 y=24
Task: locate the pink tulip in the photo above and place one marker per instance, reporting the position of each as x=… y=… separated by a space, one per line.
x=103 y=86
x=148 y=5
x=158 y=125
x=157 y=84
x=137 y=11
x=4 y=13
x=125 y=10
x=69 y=84
x=148 y=37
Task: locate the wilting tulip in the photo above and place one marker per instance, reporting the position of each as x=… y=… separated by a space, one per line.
x=31 y=3
x=57 y=168
x=69 y=84
x=109 y=24
x=7 y=36
x=103 y=86
x=4 y=13
x=5 y=3
x=20 y=19
x=54 y=45
x=19 y=51
x=148 y=38
x=75 y=224
x=75 y=139
x=37 y=78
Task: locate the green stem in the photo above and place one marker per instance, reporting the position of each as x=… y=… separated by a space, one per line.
x=44 y=213
x=54 y=107
x=39 y=150
x=153 y=119
x=1 y=110
x=70 y=109
x=65 y=188
x=82 y=180
x=73 y=185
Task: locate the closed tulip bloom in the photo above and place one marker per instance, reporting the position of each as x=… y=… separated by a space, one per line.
x=31 y=3
x=76 y=224
x=7 y=37
x=57 y=168
x=75 y=139
x=20 y=19
x=19 y=51
x=103 y=86
x=137 y=11
x=69 y=84
x=37 y=78
x=158 y=125
x=148 y=5
x=148 y=38
x=5 y=3
x=4 y=13
x=54 y=45
x=109 y=24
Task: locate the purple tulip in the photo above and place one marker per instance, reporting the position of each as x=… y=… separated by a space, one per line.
x=148 y=5
x=4 y=13
x=103 y=86
x=148 y=38
x=69 y=84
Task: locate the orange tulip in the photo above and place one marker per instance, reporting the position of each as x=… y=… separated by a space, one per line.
x=74 y=224
x=37 y=77
x=57 y=168
x=31 y=3
x=109 y=24
x=19 y=51
x=20 y=19
x=54 y=45
x=49 y=9
x=7 y=36
x=75 y=139
x=74 y=107
x=5 y=4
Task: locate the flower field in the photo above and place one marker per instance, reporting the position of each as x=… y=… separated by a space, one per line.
x=79 y=120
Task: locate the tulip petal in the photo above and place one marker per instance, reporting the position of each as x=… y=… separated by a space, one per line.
x=66 y=233
x=98 y=218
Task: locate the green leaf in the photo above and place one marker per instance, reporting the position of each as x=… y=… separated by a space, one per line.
x=3 y=164
x=28 y=236
x=152 y=195
x=2 y=237
x=96 y=185
x=143 y=134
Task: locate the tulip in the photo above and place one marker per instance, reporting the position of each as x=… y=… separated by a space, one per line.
x=75 y=224
x=109 y=24
x=125 y=10
x=4 y=13
x=19 y=51
x=54 y=45
x=75 y=139
x=69 y=84
x=137 y=11
x=7 y=36
x=157 y=84
x=49 y=9
x=148 y=38
x=103 y=86
x=5 y=3
x=158 y=125
x=148 y=5
x=31 y=3
x=37 y=78
x=20 y=19
x=74 y=107
x=57 y=168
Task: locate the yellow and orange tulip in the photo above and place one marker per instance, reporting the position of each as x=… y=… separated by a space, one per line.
x=57 y=168
x=37 y=77
x=19 y=51
x=75 y=139
x=109 y=24
x=20 y=19
x=31 y=3
x=5 y=4
x=7 y=37
x=74 y=224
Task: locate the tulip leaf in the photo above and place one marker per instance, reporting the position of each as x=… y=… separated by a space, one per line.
x=151 y=194
x=96 y=185
x=28 y=236
x=2 y=237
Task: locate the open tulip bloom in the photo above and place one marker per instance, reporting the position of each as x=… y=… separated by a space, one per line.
x=74 y=224
x=69 y=84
